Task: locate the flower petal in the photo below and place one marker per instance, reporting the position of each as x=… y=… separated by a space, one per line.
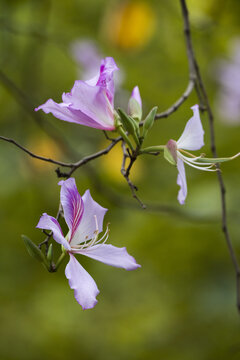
x=91 y=101
x=87 y=227
x=111 y=255
x=63 y=111
x=72 y=204
x=85 y=288
x=192 y=136
x=181 y=181
x=106 y=81
x=47 y=222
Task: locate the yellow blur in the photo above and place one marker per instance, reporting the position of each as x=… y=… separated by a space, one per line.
x=111 y=165
x=130 y=25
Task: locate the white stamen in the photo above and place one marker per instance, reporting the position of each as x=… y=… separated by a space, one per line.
x=93 y=241
x=195 y=164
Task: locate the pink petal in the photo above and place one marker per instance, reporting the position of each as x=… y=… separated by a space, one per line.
x=72 y=204
x=181 y=181
x=63 y=111
x=192 y=136
x=91 y=101
x=111 y=255
x=106 y=81
x=85 y=288
x=47 y=222
x=87 y=227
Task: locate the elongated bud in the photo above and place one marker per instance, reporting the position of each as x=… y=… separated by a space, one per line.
x=134 y=109
x=33 y=250
x=170 y=152
x=130 y=125
x=148 y=122
x=50 y=253
x=135 y=104
x=217 y=160
x=127 y=121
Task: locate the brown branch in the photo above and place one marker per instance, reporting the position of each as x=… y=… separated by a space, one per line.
x=203 y=97
x=126 y=172
x=73 y=166
x=42 y=158
x=98 y=154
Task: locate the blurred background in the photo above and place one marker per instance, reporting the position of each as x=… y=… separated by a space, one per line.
x=181 y=303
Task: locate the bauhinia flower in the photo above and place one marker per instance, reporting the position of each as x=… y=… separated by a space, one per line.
x=87 y=56
x=191 y=139
x=84 y=218
x=91 y=102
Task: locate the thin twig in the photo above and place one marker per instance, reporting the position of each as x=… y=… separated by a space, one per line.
x=126 y=172
x=98 y=154
x=42 y=158
x=194 y=67
x=73 y=166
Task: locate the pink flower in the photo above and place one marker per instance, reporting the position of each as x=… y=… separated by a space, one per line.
x=89 y=103
x=191 y=139
x=84 y=218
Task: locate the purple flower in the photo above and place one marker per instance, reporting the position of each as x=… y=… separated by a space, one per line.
x=86 y=54
x=84 y=218
x=191 y=139
x=89 y=103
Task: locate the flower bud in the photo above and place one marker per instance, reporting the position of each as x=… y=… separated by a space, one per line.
x=148 y=122
x=33 y=250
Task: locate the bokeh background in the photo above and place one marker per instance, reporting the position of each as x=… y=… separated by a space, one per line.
x=181 y=303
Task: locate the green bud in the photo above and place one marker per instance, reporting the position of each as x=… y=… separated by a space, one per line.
x=216 y=160
x=135 y=109
x=127 y=122
x=50 y=253
x=117 y=121
x=33 y=250
x=148 y=122
x=168 y=156
x=130 y=125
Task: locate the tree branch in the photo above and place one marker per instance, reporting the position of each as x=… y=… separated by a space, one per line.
x=203 y=97
x=126 y=172
x=42 y=158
